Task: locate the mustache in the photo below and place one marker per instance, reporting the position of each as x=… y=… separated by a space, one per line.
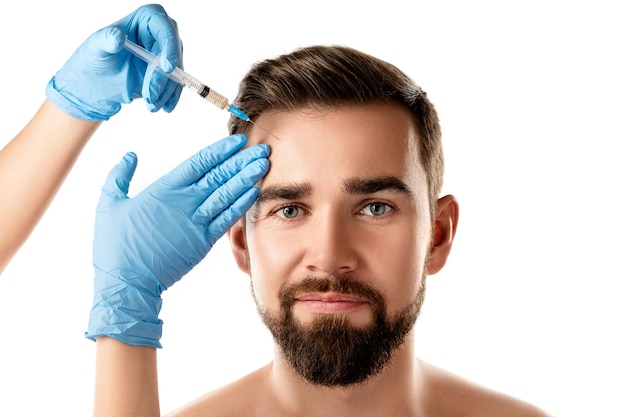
x=333 y=283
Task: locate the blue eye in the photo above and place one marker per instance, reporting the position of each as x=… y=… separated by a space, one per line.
x=288 y=212
x=376 y=209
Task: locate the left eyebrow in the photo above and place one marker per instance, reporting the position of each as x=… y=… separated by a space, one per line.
x=373 y=185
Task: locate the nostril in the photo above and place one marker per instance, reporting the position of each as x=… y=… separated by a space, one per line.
x=332 y=260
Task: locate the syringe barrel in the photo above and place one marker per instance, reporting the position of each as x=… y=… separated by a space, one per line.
x=180 y=76
x=200 y=88
x=217 y=99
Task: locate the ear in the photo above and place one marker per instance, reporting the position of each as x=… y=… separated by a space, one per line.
x=446 y=219
x=237 y=237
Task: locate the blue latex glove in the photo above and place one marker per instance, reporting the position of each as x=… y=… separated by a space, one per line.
x=144 y=244
x=101 y=74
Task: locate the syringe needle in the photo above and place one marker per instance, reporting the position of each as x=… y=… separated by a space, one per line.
x=263 y=129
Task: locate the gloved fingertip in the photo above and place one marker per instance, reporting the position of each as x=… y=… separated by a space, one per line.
x=254 y=193
x=171 y=103
x=118 y=38
x=256 y=170
x=152 y=108
x=265 y=149
x=242 y=204
x=109 y=40
x=263 y=165
x=225 y=217
x=127 y=165
x=257 y=151
x=227 y=146
x=239 y=138
x=130 y=158
x=168 y=108
x=118 y=180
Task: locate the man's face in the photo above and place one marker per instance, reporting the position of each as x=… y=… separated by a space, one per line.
x=338 y=242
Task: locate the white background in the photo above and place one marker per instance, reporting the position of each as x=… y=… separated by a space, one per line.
x=531 y=99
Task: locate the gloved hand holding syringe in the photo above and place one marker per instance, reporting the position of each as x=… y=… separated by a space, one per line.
x=192 y=83
x=187 y=80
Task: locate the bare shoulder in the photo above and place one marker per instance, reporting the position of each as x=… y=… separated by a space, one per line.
x=444 y=395
x=451 y=395
x=235 y=399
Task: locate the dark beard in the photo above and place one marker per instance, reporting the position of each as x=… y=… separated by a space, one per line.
x=330 y=351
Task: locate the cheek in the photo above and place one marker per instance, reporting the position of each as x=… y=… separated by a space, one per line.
x=401 y=264
x=269 y=265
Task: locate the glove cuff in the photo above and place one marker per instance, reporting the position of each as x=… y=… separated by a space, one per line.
x=124 y=312
x=74 y=107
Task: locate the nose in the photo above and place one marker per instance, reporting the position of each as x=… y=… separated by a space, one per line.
x=332 y=244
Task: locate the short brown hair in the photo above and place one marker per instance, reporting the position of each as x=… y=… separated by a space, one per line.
x=334 y=76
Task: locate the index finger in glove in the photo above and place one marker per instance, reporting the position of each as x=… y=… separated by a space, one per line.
x=167 y=41
x=160 y=91
x=235 y=165
x=196 y=167
x=152 y=28
x=104 y=43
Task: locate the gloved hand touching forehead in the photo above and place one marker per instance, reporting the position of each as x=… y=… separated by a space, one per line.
x=144 y=244
x=101 y=75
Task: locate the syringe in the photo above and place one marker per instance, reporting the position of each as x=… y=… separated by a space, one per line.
x=188 y=81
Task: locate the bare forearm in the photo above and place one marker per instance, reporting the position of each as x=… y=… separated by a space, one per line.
x=126 y=380
x=32 y=168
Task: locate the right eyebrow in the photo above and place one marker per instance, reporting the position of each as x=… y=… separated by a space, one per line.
x=284 y=192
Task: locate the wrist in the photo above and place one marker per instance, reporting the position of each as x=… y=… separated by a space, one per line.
x=125 y=312
x=74 y=106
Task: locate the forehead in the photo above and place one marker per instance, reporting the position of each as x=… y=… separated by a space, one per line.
x=378 y=139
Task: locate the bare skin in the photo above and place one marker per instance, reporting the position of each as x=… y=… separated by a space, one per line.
x=435 y=393
x=33 y=166
x=126 y=380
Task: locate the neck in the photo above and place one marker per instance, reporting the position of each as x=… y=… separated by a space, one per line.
x=394 y=391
